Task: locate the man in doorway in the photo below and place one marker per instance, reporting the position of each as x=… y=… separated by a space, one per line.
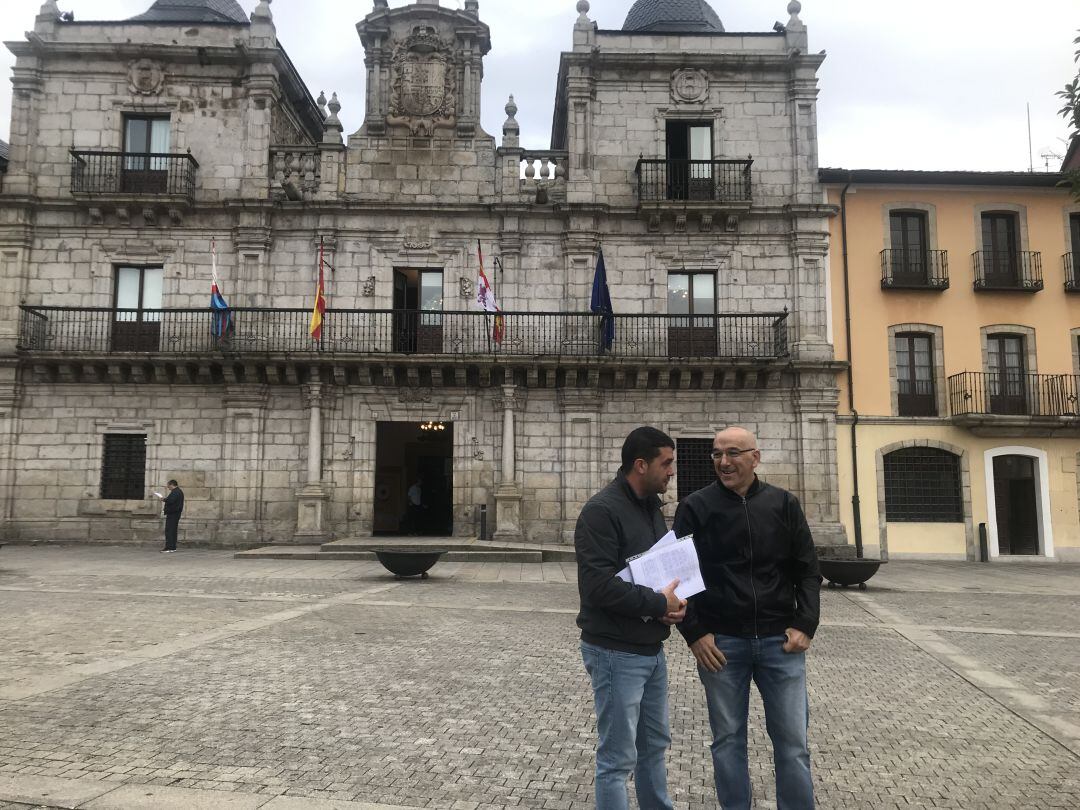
x=623 y=626
x=416 y=505
x=754 y=620
x=173 y=508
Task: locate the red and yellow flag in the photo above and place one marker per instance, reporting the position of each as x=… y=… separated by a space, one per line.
x=320 y=301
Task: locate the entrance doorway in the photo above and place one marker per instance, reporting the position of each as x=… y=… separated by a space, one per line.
x=1015 y=505
x=414 y=479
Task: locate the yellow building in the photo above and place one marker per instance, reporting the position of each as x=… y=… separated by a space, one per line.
x=960 y=409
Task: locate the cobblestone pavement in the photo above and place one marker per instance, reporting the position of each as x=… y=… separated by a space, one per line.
x=133 y=679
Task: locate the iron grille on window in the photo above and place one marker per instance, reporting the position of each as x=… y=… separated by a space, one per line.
x=922 y=485
x=694 y=465
x=123 y=467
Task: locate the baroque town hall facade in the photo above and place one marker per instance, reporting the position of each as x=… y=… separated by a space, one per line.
x=140 y=148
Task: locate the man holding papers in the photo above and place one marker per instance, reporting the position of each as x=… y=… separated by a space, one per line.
x=623 y=626
x=754 y=620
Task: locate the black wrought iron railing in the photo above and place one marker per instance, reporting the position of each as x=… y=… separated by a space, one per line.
x=1072 y=272
x=1008 y=270
x=1013 y=394
x=914 y=269
x=134 y=173
x=694 y=180
x=90 y=331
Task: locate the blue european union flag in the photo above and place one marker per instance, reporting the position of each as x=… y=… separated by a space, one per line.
x=601 y=304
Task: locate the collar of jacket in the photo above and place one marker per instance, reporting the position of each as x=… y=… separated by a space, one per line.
x=647 y=501
x=755 y=488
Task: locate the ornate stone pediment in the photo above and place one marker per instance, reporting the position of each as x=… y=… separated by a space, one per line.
x=423 y=91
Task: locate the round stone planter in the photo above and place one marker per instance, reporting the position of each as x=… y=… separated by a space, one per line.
x=408 y=562
x=849 y=572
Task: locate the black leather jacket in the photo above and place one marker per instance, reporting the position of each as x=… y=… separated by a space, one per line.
x=613 y=525
x=758 y=561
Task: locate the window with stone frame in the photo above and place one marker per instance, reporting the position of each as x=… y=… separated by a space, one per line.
x=137 y=302
x=123 y=467
x=915 y=373
x=909 y=252
x=145 y=168
x=692 y=295
x=923 y=485
x=694 y=465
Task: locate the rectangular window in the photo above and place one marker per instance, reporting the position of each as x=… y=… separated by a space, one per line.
x=909 y=260
x=123 y=467
x=146 y=145
x=693 y=295
x=1074 y=236
x=1007 y=375
x=689 y=158
x=694 y=465
x=915 y=375
x=137 y=297
x=1001 y=249
x=922 y=485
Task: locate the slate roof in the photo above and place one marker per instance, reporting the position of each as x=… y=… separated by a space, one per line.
x=673 y=16
x=4 y=149
x=194 y=11
x=907 y=177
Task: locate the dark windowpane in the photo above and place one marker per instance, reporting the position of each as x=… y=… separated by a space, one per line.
x=909 y=247
x=915 y=374
x=1074 y=229
x=922 y=485
x=694 y=465
x=123 y=467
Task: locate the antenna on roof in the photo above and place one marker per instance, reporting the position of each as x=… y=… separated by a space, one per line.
x=1031 y=151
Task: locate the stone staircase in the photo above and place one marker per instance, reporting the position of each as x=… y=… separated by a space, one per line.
x=458 y=549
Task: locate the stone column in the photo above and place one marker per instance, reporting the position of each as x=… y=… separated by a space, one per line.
x=313 y=497
x=508 y=492
x=815 y=401
x=9 y=405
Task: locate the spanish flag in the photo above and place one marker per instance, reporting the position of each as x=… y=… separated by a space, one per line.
x=320 y=301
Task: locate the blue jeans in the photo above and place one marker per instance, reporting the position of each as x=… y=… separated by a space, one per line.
x=781 y=680
x=630 y=695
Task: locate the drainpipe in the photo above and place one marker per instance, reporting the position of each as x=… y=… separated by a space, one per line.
x=856 y=510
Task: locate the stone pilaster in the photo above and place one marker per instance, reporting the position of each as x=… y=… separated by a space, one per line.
x=10 y=392
x=815 y=401
x=581 y=452
x=241 y=486
x=508 y=493
x=313 y=497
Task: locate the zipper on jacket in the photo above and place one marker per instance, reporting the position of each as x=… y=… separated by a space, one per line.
x=750 y=534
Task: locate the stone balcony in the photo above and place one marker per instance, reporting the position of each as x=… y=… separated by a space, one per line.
x=404 y=347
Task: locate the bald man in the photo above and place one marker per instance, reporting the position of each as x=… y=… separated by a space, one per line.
x=755 y=619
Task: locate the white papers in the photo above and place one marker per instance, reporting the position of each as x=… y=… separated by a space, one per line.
x=158 y=494
x=670 y=558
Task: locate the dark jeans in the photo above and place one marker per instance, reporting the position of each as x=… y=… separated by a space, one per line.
x=172 y=524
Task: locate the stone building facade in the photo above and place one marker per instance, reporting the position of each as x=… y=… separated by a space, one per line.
x=145 y=151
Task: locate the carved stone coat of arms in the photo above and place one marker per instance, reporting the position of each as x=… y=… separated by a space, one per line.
x=424 y=86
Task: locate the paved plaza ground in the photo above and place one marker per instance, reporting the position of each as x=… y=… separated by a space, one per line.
x=130 y=678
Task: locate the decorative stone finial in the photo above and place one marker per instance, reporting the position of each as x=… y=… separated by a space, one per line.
x=583 y=21
x=49 y=8
x=511 y=128
x=262 y=11
x=793 y=8
x=382 y=4
x=335 y=108
x=583 y=6
x=321 y=101
x=472 y=8
x=332 y=124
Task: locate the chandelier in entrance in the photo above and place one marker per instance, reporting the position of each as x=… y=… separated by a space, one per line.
x=429 y=426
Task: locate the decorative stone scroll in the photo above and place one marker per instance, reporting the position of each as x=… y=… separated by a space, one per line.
x=423 y=91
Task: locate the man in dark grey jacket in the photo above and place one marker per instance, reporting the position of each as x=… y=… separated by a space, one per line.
x=754 y=620
x=623 y=626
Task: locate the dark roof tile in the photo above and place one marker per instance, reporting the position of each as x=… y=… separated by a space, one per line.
x=673 y=16
x=193 y=11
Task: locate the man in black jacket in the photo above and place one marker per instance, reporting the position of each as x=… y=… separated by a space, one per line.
x=174 y=507
x=755 y=619
x=623 y=626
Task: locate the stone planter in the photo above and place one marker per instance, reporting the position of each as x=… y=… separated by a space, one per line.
x=408 y=562
x=849 y=572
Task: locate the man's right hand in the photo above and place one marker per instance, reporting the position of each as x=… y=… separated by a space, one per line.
x=708 y=655
x=674 y=603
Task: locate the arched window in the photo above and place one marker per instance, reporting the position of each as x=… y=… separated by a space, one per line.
x=922 y=485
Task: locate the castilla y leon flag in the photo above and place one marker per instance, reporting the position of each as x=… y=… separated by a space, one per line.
x=485 y=298
x=221 y=322
x=320 y=301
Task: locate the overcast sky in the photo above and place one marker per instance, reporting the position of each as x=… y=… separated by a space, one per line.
x=908 y=84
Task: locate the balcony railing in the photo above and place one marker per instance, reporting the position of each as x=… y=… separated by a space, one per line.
x=1008 y=270
x=1072 y=272
x=1013 y=394
x=133 y=173
x=725 y=181
x=88 y=331
x=914 y=270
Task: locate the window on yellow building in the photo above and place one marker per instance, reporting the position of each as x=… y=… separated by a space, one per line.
x=915 y=374
x=923 y=485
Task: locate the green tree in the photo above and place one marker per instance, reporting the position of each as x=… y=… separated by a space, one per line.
x=1070 y=111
